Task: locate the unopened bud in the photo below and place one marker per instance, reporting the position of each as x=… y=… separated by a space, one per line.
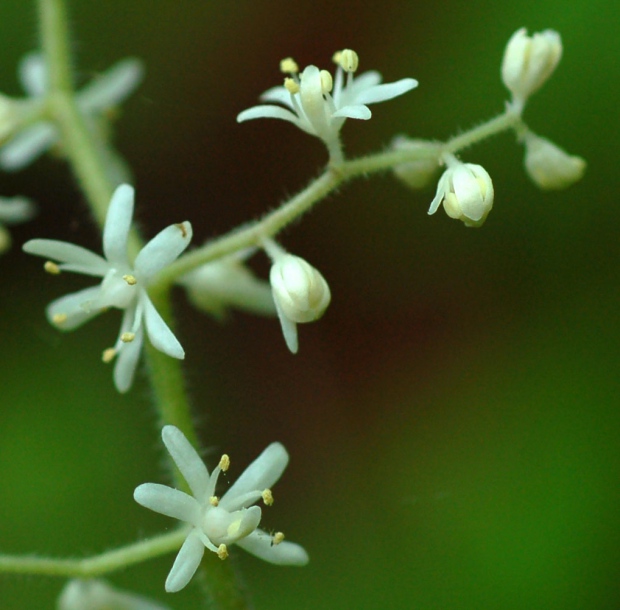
x=415 y=174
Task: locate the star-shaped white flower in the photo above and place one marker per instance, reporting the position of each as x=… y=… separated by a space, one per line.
x=319 y=105
x=217 y=522
x=94 y=100
x=124 y=284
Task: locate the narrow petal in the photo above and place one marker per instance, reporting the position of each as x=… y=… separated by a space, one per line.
x=186 y=563
x=111 y=87
x=27 y=145
x=127 y=361
x=440 y=194
x=74 y=258
x=289 y=329
x=158 y=331
x=279 y=95
x=381 y=93
x=32 y=73
x=168 y=501
x=164 y=248
x=187 y=460
x=73 y=309
x=117 y=224
x=16 y=209
x=267 y=112
x=357 y=111
x=285 y=553
x=261 y=474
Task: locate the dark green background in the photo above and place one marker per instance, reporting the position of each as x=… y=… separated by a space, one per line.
x=452 y=421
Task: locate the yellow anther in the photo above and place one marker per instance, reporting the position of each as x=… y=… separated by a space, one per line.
x=224 y=463
x=291 y=85
x=214 y=500
x=222 y=551
x=267 y=497
x=347 y=60
x=59 y=318
x=51 y=268
x=130 y=279
x=289 y=66
x=326 y=81
x=128 y=337
x=108 y=355
x=336 y=57
x=278 y=537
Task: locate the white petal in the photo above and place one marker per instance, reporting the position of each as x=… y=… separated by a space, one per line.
x=267 y=112
x=366 y=80
x=261 y=474
x=381 y=93
x=164 y=248
x=16 y=209
x=27 y=145
x=440 y=194
x=117 y=224
x=289 y=329
x=186 y=563
x=74 y=258
x=279 y=95
x=32 y=73
x=111 y=87
x=127 y=361
x=79 y=307
x=187 y=460
x=168 y=501
x=357 y=111
x=158 y=331
x=285 y=553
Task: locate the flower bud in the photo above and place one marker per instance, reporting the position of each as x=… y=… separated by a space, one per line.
x=300 y=293
x=415 y=174
x=550 y=167
x=529 y=61
x=466 y=191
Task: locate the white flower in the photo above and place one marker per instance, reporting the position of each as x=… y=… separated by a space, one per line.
x=217 y=522
x=528 y=62
x=99 y=595
x=549 y=166
x=13 y=210
x=319 y=105
x=94 y=100
x=415 y=174
x=466 y=191
x=300 y=292
x=124 y=285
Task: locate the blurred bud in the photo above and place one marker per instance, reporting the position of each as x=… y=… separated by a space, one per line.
x=550 y=167
x=415 y=174
x=529 y=61
x=466 y=191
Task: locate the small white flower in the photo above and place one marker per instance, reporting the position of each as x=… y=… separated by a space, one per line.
x=94 y=100
x=217 y=522
x=415 y=174
x=528 y=62
x=319 y=105
x=300 y=292
x=124 y=285
x=13 y=210
x=99 y=595
x=466 y=191
x=550 y=167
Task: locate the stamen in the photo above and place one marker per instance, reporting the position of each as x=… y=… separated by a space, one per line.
x=59 y=318
x=214 y=500
x=267 y=497
x=289 y=66
x=291 y=85
x=277 y=538
x=347 y=60
x=51 y=268
x=326 y=82
x=224 y=463
x=222 y=551
x=130 y=279
x=108 y=355
x=128 y=337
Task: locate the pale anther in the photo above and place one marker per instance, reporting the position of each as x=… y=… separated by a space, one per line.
x=222 y=551
x=291 y=85
x=289 y=66
x=128 y=337
x=267 y=497
x=326 y=82
x=108 y=355
x=51 y=268
x=130 y=279
x=224 y=463
x=214 y=500
x=348 y=60
x=278 y=537
x=59 y=318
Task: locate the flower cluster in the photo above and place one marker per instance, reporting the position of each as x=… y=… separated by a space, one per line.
x=218 y=522
x=124 y=284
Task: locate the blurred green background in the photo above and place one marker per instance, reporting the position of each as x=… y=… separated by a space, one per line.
x=453 y=421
